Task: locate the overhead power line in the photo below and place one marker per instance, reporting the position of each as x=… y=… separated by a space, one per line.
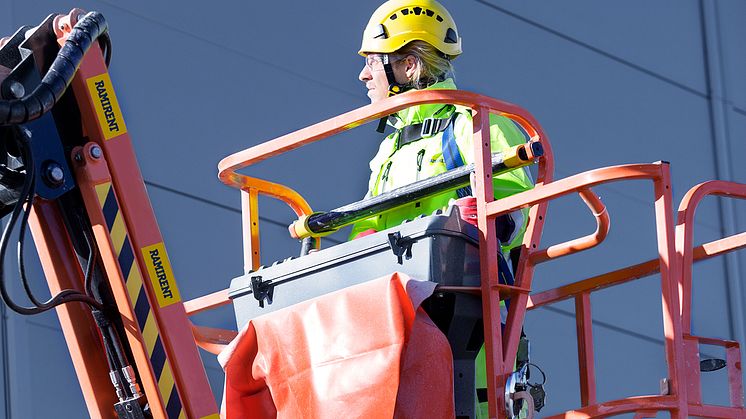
x=594 y=49
x=232 y=50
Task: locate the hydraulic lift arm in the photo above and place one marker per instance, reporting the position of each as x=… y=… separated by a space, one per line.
x=68 y=169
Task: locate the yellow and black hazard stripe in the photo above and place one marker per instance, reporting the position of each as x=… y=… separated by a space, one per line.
x=136 y=290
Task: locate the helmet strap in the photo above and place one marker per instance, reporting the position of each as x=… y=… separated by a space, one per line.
x=394 y=88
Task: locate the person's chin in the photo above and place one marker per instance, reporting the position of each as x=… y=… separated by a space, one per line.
x=372 y=96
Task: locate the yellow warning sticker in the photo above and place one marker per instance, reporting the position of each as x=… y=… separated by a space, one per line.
x=161 y=275
x=107 y=107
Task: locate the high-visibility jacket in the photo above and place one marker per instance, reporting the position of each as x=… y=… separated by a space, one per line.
x=395 y=166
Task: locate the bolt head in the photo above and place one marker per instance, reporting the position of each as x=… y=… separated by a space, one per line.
x=54 y=174
x=17 y=89
x=96 y=152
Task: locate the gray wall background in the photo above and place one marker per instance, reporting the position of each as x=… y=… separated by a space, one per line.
x=611 y=83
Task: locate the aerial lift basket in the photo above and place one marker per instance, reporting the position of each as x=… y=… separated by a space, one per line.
x=92 y=196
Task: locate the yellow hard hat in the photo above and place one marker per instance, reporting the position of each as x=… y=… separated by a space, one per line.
x=399 y=22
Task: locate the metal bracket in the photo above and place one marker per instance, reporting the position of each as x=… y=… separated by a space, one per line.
x=400 y=247
x=665 y=386
x=517 y=381
x=262 y=290
x=132 y=409
x=430 y=126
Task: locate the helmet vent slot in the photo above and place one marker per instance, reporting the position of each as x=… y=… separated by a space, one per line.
x=438 y=18
x=451 y=37
x=405 y=11
x=380 y=32
x=417 y=10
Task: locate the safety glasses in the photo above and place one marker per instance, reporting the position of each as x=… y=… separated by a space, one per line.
x=376 y=61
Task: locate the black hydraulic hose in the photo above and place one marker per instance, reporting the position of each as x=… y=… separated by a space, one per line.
x=115 y=356
x=105 y=42
x=104 y=325
x=90 y=266
x=59 y=76
x=319 y=223
x=116 y=346
x=64 y=296
x=21 y=241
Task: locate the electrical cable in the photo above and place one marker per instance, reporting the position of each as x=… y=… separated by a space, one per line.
x=112 y=344
x=115 y=357
x=114 y=363
x=116 y=345
x=109 y=358
x=543 y=376
x=63 y=296
x=109 y=336
x=92 y=27
x=92 y=256
x=89 y=272
x=21 y=239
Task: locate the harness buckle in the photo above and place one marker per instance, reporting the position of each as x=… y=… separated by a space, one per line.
x=430 y=127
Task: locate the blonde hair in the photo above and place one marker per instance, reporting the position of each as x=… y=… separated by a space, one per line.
x=432 y=65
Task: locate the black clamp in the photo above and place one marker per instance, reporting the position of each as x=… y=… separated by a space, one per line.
x=262 y=290
x=400 y=247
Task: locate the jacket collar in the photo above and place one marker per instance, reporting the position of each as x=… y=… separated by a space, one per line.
x=416 y=114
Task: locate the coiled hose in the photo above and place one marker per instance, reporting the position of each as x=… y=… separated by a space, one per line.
x=59 y=76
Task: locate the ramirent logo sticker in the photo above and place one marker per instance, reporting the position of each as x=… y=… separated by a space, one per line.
x=107 y=107
x=159 y=269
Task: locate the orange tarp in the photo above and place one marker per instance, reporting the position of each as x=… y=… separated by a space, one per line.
x=368 y=351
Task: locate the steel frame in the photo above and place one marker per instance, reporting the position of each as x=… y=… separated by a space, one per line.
x=159 y=334
x=118 y=166
x=687 y=254
x=673 y=261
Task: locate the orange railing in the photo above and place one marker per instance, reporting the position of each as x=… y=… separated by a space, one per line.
x=684 y=395
x=482 y=106
x=228 y=168
x=688 y=254
x=501 y=346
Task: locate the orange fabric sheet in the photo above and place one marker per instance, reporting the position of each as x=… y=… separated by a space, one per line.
x=368 y=351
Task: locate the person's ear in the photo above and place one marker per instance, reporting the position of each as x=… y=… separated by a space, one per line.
x=410 y=65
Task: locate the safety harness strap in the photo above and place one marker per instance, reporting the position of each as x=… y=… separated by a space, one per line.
x=426 y=128
x=452 y=155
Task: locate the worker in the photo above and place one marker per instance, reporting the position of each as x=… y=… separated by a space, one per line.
x=410 y=45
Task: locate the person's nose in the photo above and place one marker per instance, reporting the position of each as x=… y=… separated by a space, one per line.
x=365 y=74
